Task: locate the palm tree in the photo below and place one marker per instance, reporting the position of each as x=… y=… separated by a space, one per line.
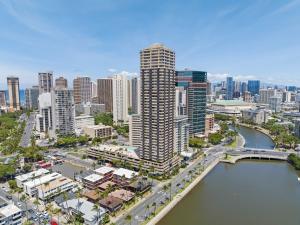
x=66 y=198
x=96 y=209
x=170 y=189
x=128 y=218
x=36 y=202
x=147 y=208
x=154 y=205
x=24 y=199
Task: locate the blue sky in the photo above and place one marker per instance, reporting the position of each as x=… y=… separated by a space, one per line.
x=246 y=38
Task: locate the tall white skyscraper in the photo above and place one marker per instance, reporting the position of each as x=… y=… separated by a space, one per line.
x=120 y=98
x=93 y=89
x=63 y=111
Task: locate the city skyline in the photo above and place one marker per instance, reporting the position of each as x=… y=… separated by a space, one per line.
x=225 y=39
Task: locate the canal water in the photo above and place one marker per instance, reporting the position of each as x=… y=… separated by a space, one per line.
x=254 y=138
x=246 y=193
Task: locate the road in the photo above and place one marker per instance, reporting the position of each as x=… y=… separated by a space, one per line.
x=30 y=122
x=140 y=212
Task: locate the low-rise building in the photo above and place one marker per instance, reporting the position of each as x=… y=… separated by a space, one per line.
x=21 y=179
x=10 y=215
x=231 y=107
x=30 y=187
x=209 y=123
x=84 y=121
x=123 y=194
x=86 y=209
x=110 y=203
x=92 y=181
x=128 y=154
x=256 y=116
x=106 y=172
x=100 y=131
x=123 y=176
x=55 y=187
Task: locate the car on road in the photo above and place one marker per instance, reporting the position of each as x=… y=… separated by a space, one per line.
x=9 y=197
x=19 y=204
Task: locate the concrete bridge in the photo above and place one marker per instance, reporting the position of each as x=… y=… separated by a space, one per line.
x=233 y=156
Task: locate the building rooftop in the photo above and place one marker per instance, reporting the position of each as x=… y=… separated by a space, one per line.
x=110 y=202
x=99 y=126
x=58 y=182
x=84 y=207
x=32 y=174
x=230 y=102
x=9 y=210
x=41 y=180
x=93 y=177
x=105 y=185
x=104 y=170
x=127 y=151
x=122 y=194
x=126 y=173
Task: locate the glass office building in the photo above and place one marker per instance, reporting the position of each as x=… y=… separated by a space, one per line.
x=195 y=83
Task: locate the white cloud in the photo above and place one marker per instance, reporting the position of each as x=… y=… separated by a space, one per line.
x=222 y=76
x=112 y=70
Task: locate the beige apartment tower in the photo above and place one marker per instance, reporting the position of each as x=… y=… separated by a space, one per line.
x=61 y=82
x=13 y=93
x=157 y=105
x=82 y=90
x=105 y=93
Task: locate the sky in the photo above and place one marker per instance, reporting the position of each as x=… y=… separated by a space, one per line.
x=247 y=39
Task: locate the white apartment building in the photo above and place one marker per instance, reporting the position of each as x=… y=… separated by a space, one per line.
x=181 y=140
x=100 y=130
x=44 y=120
x=21 y=179
x=63 y=111
x=10 y=215
x=30 y=187
x=120 y=98
x=55 y=187
x=275 y=103
x=83 y=121
x=135 y=126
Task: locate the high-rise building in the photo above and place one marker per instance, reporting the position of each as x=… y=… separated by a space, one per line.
x=105 y=93
x=265 y=95
x=13 y=93
x=45 y=82
x=157 y=67
x=31 y=97
x=243 y=87
x=286 y=96
x=181 y=133
x=63 y=111
x=44 y=120
x=275 y=103
x=61 y=82
x=180 y=101
x=253 y=87
x=247 y=96
x=2 y=99
x=93 y=89
x=135 y=134
x=229 y=88
x=120 y=98
x=195 y=84
x=135 y=95
x=82 y=90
